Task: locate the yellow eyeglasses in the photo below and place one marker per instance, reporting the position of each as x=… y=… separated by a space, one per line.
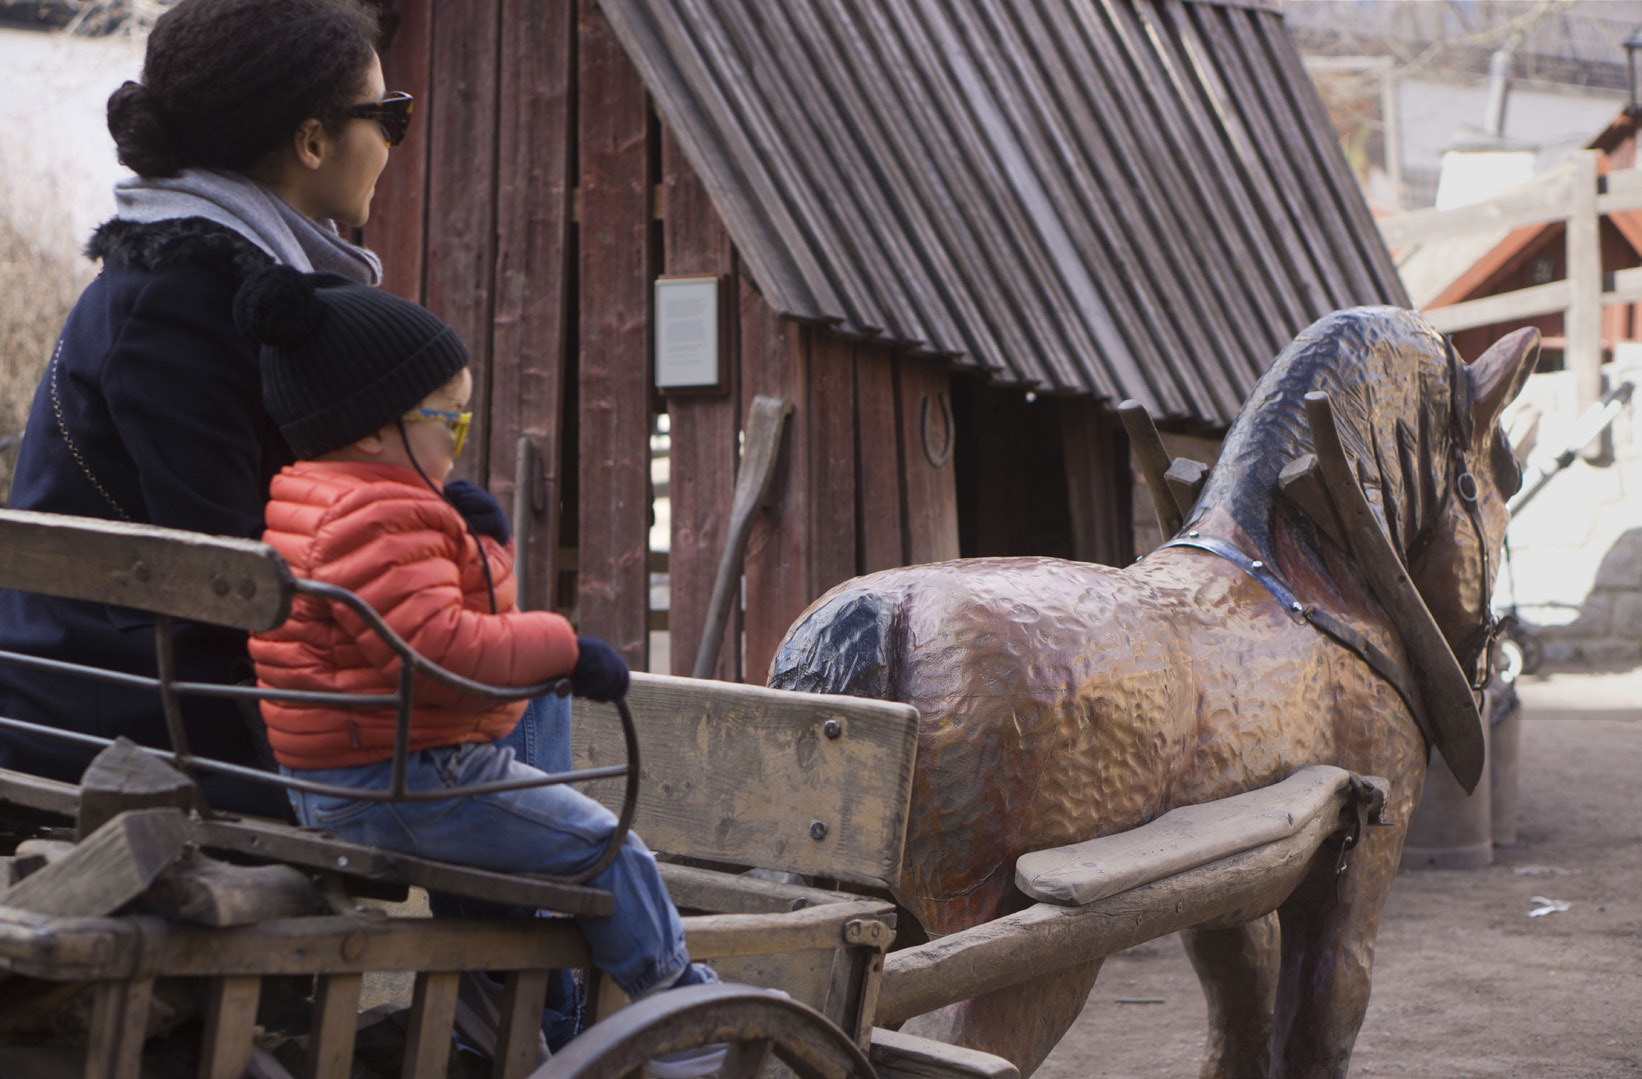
x=456 y=421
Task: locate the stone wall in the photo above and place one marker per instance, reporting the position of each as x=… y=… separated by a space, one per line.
x=1575 y=569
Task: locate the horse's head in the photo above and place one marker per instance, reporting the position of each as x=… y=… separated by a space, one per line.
x=1455 y=557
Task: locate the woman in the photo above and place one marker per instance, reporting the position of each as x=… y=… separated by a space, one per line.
x=257 y=125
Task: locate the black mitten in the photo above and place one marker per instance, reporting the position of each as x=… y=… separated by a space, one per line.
x=601 y=673
x=482 y=512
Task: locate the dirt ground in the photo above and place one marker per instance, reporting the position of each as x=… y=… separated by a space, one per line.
x=1466 y=983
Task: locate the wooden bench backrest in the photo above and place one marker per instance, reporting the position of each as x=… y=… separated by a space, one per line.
x=762 y=777
x=229 y=582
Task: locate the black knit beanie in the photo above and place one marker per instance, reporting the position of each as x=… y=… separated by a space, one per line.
x=341 y=360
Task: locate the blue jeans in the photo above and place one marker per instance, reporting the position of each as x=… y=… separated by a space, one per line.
x=553 y=830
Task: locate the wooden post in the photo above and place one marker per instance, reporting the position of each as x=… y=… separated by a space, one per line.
x=928 y=438
x=883 y=533
x=1582 y=325
x=614 y=134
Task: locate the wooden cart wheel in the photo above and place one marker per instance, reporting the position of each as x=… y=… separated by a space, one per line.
x=754 y=1023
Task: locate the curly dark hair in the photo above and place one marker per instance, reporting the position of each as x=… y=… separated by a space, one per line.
x=226 y=81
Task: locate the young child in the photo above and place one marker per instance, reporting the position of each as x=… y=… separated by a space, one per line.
x=370 y=391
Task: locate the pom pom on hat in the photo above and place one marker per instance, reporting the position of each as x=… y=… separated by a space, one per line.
x=341 y=360
x=277 y=306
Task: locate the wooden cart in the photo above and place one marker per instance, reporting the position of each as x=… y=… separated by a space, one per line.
x=799 y=787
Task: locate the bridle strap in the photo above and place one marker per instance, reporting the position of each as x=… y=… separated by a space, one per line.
x=1342 y=633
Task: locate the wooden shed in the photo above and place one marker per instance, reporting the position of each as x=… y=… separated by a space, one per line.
x=952 y=234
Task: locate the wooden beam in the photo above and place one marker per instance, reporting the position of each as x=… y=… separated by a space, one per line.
x=124 y=777
x=107 y=869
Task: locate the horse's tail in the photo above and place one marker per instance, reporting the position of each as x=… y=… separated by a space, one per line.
x=846 y=645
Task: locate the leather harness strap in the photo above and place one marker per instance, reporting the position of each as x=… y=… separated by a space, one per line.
x=1344 y=634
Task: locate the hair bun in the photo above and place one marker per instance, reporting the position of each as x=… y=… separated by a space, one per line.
x=141 y=140
x=277 y=306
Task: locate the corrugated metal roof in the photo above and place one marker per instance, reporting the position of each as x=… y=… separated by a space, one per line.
x=1124 y=198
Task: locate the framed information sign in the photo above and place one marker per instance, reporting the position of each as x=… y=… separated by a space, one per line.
x=688 y=343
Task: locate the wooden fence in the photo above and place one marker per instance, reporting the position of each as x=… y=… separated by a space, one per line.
x=1575 y=192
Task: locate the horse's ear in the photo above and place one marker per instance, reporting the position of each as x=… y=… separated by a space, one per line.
x=1498 y=375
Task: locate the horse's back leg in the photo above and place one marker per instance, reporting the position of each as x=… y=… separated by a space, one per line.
x=1021 y=1023
x=1238 y=969
x=1328 y=928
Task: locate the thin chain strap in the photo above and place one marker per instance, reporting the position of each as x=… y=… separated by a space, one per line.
x=68 y=440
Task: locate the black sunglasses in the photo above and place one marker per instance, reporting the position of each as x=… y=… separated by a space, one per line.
x=393 y=113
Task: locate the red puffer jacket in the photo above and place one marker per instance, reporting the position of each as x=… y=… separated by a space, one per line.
x=378 y=531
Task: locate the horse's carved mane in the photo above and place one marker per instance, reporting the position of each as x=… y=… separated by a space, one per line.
x=1377 y=364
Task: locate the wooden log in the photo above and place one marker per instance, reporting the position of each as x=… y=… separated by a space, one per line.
x=202 y=890
x=124 y=777
x=111 y=867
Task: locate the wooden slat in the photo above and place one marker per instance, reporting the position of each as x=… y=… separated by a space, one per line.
x=1582 y=325
x=702 y=427
x=1007 y=209
x=882 y=543
x=776 y=128
x=1507 y=306
x=775 y=775
x=905 y=1056
x=461 y=200
x=615 y=283
x=931 y=487
x=336 y=1020
x=1359 y=239
x=1621 y=190
x=520 y=1032
x=353 y=946
x=1292 y=176
x=119 y=1024
x=1141 y=207
x=229 y=582
x=530 y=342
x=774 y=362
x=1093 y=463
x=918 y=207
x=396 y=228
x=830 y=432
x=1188 y=165
x=319 y=851
x=230 y=1016
x=878 y=228
x=1544 y=198
x=1098 y=213
x=718 y=936
x=433 y=1011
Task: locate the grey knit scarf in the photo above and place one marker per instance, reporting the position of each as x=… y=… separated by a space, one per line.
x=237 y=202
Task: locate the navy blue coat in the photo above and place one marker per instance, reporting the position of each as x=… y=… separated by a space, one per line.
x=150 y=411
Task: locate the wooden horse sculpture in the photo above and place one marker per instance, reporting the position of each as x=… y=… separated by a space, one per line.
x=1062 y=701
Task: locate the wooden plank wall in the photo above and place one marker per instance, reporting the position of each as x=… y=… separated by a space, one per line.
x=520 y=103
